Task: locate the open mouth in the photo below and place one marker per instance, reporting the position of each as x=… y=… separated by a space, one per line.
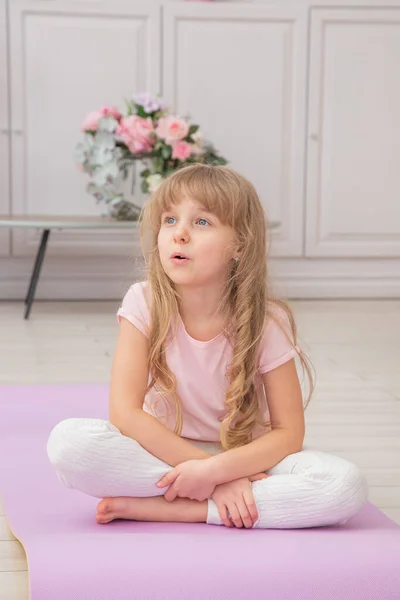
x=179 y=257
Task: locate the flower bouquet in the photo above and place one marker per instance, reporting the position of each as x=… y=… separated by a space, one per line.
x=149 y=133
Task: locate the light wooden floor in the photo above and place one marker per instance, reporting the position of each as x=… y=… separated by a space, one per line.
x=355 y=412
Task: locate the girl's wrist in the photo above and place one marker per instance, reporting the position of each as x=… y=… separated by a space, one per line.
x=215 y=470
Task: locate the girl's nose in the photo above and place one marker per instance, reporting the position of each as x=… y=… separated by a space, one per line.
x=181 y=235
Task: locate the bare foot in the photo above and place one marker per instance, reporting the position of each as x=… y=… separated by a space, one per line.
x=115 y=508
x=156 y=508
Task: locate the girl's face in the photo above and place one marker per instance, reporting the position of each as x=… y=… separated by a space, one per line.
x=187 y=229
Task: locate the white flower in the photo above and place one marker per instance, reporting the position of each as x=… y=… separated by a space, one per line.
x=154 y=181
x=104 y=173
x=198 y=138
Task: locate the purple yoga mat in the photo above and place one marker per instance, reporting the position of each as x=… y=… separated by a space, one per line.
x=70 y=557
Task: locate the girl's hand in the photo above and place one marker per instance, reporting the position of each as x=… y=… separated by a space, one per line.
x=235 y=501
x=192 y=479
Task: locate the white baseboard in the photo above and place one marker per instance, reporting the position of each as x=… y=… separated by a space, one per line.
x=336 y=278
x=90 y=278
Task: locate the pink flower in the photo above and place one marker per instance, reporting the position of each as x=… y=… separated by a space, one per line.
x=136 y=133
x=91 y=121
x=181 y=150
x=171 y=129
x=111 y=111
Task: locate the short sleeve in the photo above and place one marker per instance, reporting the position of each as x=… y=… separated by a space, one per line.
x=275 y=348
x=134 y=308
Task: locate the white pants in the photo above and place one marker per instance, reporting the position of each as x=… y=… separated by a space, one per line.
x=307 y=489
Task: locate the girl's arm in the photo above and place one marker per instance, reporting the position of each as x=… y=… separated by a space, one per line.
x=285 y=405
x=129 y=378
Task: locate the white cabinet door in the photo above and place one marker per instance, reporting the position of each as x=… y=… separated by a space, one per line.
x=68 y=58
x=5 y=200
x=353 y=178
x=240 y=72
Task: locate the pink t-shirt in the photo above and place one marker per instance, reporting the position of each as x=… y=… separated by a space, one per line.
x=200 y=367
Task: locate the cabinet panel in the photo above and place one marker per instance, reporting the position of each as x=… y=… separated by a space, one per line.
x=240 y=72
x=5 y=200
x=353 y=178
x=68 y=59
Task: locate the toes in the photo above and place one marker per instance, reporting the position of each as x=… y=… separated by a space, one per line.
x=104 y=511
x=104 y=506
x=103 y=519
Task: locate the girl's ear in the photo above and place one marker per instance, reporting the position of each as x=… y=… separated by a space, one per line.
x=237 y=253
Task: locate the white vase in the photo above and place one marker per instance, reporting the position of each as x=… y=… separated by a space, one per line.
x=134 y=198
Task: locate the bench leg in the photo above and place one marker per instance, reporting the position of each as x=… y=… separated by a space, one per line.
x=36 y=272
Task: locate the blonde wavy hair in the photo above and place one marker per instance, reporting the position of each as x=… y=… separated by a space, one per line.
x=247 y=301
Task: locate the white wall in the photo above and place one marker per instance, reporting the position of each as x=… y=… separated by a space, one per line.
x=318 y=137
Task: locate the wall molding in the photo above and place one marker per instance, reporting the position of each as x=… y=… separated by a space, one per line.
x=107 y=278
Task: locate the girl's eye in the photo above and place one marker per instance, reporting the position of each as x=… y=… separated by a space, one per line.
x=169 y=221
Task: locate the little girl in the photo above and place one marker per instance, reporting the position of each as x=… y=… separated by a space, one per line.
x=206 y=415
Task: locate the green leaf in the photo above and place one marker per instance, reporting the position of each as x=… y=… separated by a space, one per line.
x=166 y=152
x=140 y=111
x=157 y=115
x=129 y=108
x=158 y=145
x=193 y=129
x=144 y=186
x=158 y=164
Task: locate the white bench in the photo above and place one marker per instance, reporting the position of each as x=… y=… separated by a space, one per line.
x=46 y=224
